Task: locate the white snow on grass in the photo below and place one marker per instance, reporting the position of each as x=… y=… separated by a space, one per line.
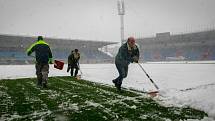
x=90 y=103
x=181 y=83
x=69 y=106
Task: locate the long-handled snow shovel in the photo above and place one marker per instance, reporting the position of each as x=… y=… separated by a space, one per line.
x=151 y=93
x=79 y=76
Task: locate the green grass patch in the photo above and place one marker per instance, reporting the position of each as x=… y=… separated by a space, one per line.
x=78 y=100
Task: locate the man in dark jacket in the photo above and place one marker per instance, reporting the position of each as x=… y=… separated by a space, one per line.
x=128 y=53
x=43 y=58
x=73 y=62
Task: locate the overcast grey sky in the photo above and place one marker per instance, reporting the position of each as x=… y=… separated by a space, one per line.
x=99 y=19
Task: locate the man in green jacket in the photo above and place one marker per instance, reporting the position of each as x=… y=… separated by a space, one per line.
x=128 y=53
x=43 y=56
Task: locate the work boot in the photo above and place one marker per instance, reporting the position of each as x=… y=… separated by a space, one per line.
x=44 y=85
x=115 y=82
x=118 y=86
x=39 y=83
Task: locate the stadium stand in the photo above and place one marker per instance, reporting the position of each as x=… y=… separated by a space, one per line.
x=163 y=47
x=13 y=49
x=190 y=47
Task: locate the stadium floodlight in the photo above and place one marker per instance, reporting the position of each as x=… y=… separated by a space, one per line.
x=121 y=8
x=121 y=12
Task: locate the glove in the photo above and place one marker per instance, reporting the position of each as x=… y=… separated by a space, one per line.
x=50 y=61
x=135 y=59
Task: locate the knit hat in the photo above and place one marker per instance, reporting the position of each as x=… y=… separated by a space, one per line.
x=40 y=38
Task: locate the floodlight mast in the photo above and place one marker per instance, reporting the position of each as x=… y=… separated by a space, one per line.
x=121 y=13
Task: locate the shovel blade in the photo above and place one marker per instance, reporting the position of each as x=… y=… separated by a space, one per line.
x=153 y=93
x=78 y=77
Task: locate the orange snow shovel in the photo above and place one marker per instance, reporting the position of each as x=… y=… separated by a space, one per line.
x=58 y=64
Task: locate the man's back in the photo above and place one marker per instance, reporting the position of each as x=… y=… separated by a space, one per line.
x=42 y=51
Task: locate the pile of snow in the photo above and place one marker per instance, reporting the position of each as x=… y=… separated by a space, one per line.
x=111 y=49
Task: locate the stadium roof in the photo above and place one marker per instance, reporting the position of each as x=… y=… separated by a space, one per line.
x=55 y=43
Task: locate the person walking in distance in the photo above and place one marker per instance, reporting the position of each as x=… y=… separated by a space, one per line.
x=128 y=53
x=70 y=61
x=73 y=62
x=43 y=57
